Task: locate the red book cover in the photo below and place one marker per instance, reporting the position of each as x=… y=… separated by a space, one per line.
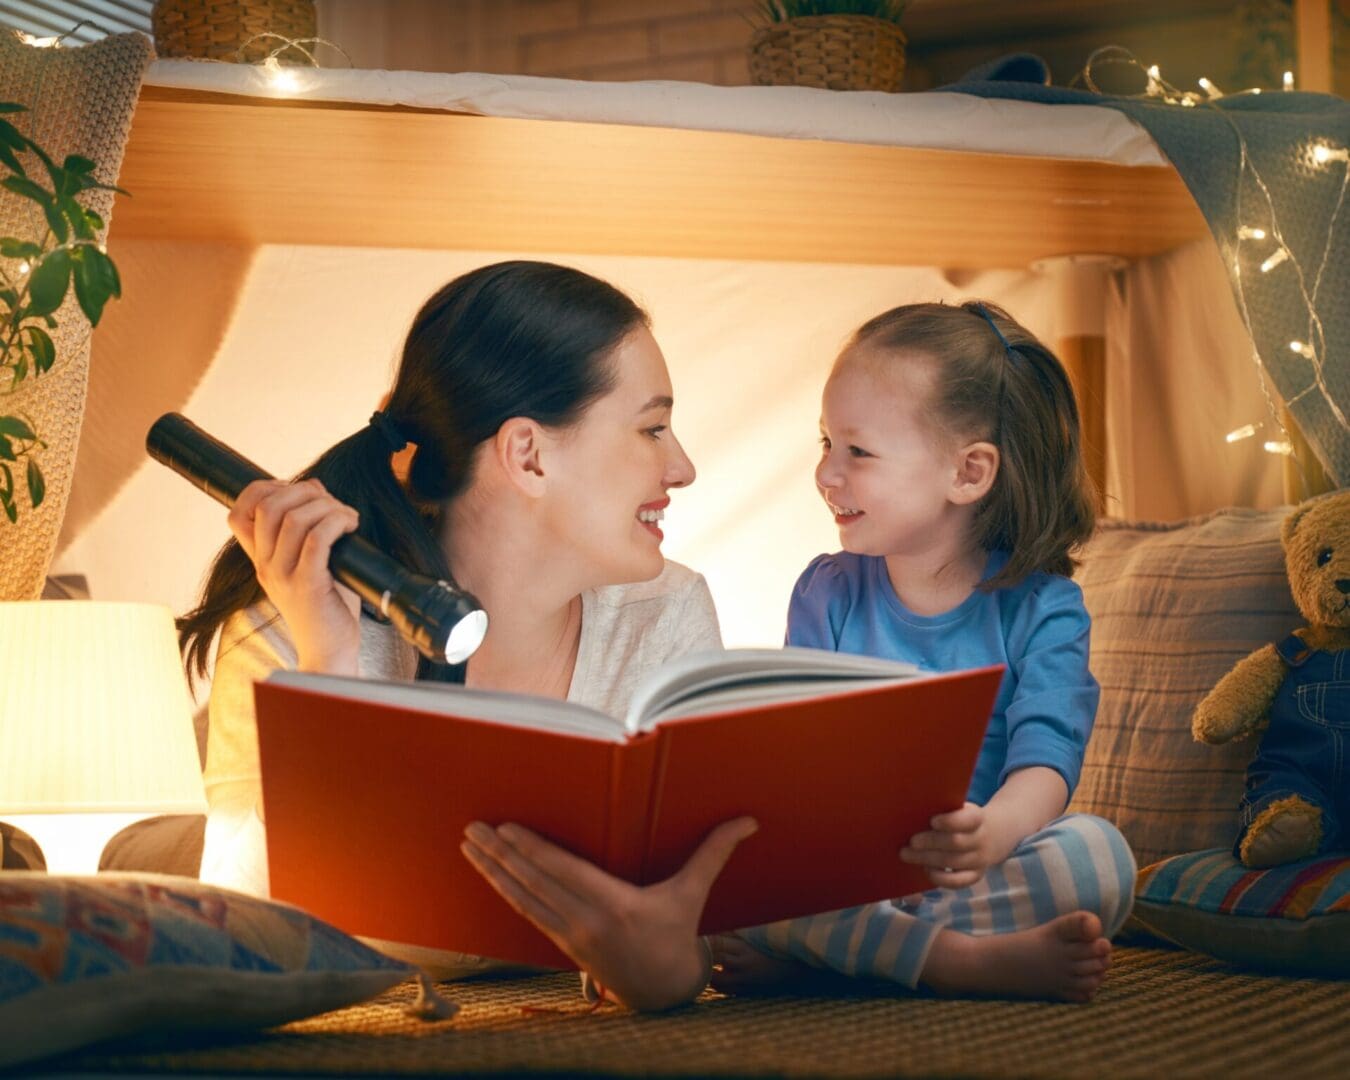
x=366 y=801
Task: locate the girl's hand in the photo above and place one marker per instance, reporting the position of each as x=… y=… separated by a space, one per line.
x=957 y=851
x=288 y=531
x=640 y=943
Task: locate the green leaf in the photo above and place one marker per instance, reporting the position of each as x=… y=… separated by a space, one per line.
x=74 y=213
x=20 y=370
x=6 y=451
x=7 y=491
x=37 y=488
x=12 y=107
x=16 y=428
x=11 y=162
x=50 y=280
x=41 y=347
x=12 y=137
x=10 y=298
x=56 y=221
x=96 y=281
x=95 y=222
x=77 y=164
x=21 y=185
x=11 y=511
x=13 y=248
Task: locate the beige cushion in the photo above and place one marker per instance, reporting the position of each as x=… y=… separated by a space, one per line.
x=1173 y=608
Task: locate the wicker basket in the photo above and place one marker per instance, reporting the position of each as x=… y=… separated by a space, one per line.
x=215 y=29
x=833 y=52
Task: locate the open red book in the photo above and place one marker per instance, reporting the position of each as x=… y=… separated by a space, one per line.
x=367 y=787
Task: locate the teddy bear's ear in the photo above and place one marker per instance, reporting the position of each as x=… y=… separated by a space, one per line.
x=1290 y=525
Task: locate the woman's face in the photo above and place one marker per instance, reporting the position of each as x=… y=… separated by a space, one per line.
x=615 y=466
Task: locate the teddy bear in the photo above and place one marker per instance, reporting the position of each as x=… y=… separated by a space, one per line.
x=1297 y=694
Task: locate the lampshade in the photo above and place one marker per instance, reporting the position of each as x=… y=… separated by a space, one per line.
x=95 y=724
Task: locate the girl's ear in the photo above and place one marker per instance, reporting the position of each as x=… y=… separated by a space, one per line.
x=518 y=448
x=976 y=468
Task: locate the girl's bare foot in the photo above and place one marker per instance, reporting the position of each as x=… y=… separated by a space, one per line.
x=1064 y=960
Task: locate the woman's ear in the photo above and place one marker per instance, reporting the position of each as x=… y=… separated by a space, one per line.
x=518 y=449
x=976 y=469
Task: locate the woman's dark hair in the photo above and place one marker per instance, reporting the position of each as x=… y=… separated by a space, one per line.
x=996 y=382
x=527 y=339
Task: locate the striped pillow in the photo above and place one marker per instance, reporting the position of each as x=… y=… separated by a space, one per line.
x=1290 y=918
x=1173 y=608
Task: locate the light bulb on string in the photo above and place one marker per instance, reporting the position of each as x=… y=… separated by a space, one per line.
x=1279 y=446
x=1246 y=431
x=1275 y=259
x=1303 y=349
x=1251 y=232
x=279 y=77
x=38 y=42
x=1288 y=80
x=1322 y=153
x=1209 y=88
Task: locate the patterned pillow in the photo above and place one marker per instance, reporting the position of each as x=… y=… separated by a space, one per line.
x=89 y=958
x=1289 y=918
x=1173 y=608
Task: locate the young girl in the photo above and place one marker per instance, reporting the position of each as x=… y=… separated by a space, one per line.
x=951 y=463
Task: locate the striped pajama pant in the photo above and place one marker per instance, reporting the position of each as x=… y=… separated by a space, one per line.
x=1076 y=863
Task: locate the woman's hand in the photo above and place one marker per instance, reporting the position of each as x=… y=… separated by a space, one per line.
x=640 y=943
x=288 y=531
x=958 y=849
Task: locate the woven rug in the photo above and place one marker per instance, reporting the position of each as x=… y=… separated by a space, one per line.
x=1161 y=1012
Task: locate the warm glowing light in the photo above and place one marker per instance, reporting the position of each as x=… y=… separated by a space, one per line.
x=1303 y=349
x=1322 y=153
x=1209 y=88
x=1274 y=260
x=1288 y=80
x=1248 y=232
x=279 y=77
x=24 y=267
x=1246 y=431
x=38 y=42
x=1279 y=447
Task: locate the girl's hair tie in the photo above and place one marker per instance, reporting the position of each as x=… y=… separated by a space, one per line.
x=983 y=312
x=389 y=431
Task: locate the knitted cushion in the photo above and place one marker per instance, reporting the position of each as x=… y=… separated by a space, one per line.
x=79 y=102
x=86 y=959
x=1290 y=918
x=1173 y=608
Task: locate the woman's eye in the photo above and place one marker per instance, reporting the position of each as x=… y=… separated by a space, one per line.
x=655 y=432
x=1324 y=557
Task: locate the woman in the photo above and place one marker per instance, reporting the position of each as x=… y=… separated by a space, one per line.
x=539 y=405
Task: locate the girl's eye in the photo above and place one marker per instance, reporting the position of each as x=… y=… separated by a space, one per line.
x=655 y=432
x=858 y=451
x=1324 y=557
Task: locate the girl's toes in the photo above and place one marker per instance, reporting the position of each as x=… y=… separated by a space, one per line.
x=1091 y=966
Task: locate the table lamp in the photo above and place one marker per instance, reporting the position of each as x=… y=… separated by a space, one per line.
x=95 y=725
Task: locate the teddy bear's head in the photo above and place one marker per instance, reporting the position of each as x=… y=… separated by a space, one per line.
x=1316 y=539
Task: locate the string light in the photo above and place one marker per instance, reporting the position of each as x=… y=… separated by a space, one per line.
x=1320 y=154
x=38 y=42
x=24 y=267
x=1275 y=259
x=280 y=79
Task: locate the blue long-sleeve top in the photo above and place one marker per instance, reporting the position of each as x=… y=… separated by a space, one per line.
x=1038 y=629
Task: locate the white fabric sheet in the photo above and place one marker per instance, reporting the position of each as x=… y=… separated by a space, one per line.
x=936 y=120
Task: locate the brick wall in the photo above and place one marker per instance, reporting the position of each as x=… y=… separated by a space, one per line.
x=693 y=40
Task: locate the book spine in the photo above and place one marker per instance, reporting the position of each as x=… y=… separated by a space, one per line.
x=630 y=799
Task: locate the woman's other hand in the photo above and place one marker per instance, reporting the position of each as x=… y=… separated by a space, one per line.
x=288 y=531
x=638 y=942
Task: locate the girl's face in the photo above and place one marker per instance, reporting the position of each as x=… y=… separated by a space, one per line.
x=884 y=472
x=615 y=467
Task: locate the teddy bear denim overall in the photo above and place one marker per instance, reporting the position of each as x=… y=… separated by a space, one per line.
x=1306 y=749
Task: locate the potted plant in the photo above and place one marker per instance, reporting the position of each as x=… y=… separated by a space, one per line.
x=831 y=44
x=35 y=277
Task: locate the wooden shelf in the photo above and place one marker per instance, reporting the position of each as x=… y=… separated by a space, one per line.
x=249 y=171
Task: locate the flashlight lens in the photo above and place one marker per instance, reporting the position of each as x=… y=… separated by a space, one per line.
x=465 y=637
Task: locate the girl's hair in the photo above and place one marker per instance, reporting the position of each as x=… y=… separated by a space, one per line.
x=996 y=382
x=512 y=339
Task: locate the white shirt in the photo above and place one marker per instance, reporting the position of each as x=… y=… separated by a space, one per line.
x=627 y=631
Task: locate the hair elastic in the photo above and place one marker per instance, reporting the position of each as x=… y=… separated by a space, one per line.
x=983 y=312
x=389 y=431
